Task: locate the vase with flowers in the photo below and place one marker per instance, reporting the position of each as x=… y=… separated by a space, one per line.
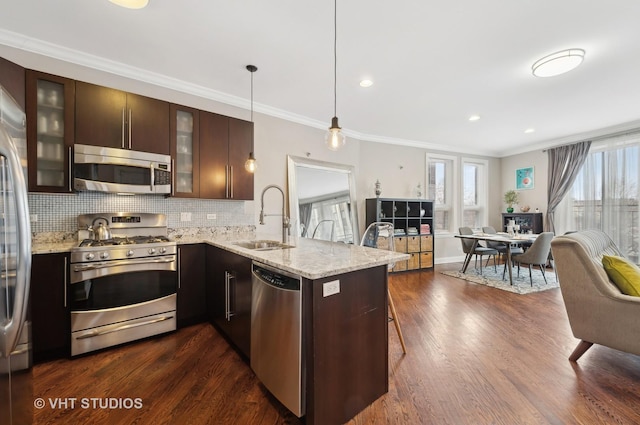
x=510 y=198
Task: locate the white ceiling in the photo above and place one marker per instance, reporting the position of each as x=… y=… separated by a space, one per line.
x=433 y=63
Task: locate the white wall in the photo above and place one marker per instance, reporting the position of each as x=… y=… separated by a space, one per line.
x=536 y=197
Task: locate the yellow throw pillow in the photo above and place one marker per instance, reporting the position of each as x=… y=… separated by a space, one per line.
x=623 y=273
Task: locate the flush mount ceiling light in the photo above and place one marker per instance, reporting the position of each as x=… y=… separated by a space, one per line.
x=131 y=4
x=366 y=83
x=334 y=138
x=558 y=63
x=251 y=164
x=474 y=117
x=530 y=130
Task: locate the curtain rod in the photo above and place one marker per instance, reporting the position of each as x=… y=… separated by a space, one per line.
x=598 y=138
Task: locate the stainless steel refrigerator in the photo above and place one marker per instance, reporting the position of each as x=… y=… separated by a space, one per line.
x=16 y=387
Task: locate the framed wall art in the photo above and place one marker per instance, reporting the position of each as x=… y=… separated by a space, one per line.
x=524 y=178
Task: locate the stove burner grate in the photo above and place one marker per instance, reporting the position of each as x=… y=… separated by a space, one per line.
x=124 y=241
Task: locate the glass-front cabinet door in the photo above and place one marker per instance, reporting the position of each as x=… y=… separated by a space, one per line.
x=50 y=106
x=185 y=151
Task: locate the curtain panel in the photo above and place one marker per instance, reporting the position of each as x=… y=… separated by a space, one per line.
x=606 y=194
x=565 y=163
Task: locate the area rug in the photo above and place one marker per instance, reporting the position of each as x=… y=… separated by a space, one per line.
x=521 y=285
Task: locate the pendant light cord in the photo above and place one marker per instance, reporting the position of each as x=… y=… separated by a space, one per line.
x=335 y=56
x=252 y=97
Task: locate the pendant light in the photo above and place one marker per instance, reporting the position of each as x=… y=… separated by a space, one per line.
x=251 y=164
x=334 y=138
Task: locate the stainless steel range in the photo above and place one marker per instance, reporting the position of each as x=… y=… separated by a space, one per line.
x=123 y=280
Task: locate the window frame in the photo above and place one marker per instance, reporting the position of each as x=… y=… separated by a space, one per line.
x=456 y=191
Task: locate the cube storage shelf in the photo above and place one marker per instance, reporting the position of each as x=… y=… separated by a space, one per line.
x=405 y=215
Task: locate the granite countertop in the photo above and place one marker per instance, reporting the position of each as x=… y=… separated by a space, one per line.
x=310 y=258
x=315 y=259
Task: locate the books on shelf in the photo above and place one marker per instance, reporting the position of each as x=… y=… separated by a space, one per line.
x=425 y=229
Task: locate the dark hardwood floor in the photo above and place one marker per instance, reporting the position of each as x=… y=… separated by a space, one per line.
x=476 y=355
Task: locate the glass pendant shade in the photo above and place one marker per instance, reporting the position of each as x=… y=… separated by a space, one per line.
x=251 y=164
x=334 y=138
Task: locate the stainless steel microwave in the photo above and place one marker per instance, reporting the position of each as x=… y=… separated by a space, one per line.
x=116 y=170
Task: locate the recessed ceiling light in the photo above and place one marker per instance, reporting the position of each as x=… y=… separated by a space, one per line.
x=366 y=83
x=474 y=117
x=530 y=130
x=558 y=63
x=131 y=4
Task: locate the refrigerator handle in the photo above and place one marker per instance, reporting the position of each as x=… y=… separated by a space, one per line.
x=12 y=327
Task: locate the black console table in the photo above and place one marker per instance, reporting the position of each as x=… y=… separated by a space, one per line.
x=527 y=221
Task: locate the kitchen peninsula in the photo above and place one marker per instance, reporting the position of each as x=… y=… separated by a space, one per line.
x=345 y=334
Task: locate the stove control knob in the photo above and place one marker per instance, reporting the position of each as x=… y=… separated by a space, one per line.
x=104 y=255
x=163 y=250
x=129 y=253
x=90 y=256
x=152 y=251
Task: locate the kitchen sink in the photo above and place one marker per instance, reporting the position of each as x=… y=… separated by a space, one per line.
x=263 y=245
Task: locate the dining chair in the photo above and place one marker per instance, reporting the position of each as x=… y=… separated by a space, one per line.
x=536 y=255
x=498 y=246
x=467 y=246
x=380 y=235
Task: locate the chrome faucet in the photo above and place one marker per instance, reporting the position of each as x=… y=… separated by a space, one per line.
x=286 y=224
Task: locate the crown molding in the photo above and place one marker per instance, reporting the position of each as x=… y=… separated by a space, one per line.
x=76 y=57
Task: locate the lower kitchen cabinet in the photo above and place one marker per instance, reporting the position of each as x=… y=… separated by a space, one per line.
x=50 y=317
x=228 y=295
x=192 y=305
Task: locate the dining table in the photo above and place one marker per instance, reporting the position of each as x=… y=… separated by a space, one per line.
x=504 y=238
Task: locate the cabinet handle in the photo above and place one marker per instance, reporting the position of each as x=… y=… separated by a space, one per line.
x=179 y=267
x=231 y=181
x=65 y=282
x=70 y=169
x=130 y=125
x=122 y=142
x=173 y=177
x=226 y=181
x=227 y=295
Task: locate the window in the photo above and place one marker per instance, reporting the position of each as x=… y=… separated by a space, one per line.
x=460 y=197
x=474 y=193
x=605 y=194
x=441 y=187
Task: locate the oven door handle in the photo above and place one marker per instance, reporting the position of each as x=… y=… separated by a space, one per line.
x=95 y=333
x=107 y=264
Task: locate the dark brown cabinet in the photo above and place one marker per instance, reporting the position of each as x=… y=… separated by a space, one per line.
x=50 y=131
x=228 y=295
x=50 y=317
x=526 y=221
x=185 y=151
x=116 y=119
x=12 y=78
x=192 y=306
x=225 y=144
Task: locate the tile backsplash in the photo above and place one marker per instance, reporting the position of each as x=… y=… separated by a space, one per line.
x=58 y=213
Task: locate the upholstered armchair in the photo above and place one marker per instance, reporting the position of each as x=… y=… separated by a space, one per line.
x=598 y=312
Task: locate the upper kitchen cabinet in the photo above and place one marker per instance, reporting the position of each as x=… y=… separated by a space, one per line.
x=225 y=144
x=50 y=131
x=185 y=151
x=116 y=119
x=12 y=79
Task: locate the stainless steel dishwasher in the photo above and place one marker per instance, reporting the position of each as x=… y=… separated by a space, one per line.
x=276 y=335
